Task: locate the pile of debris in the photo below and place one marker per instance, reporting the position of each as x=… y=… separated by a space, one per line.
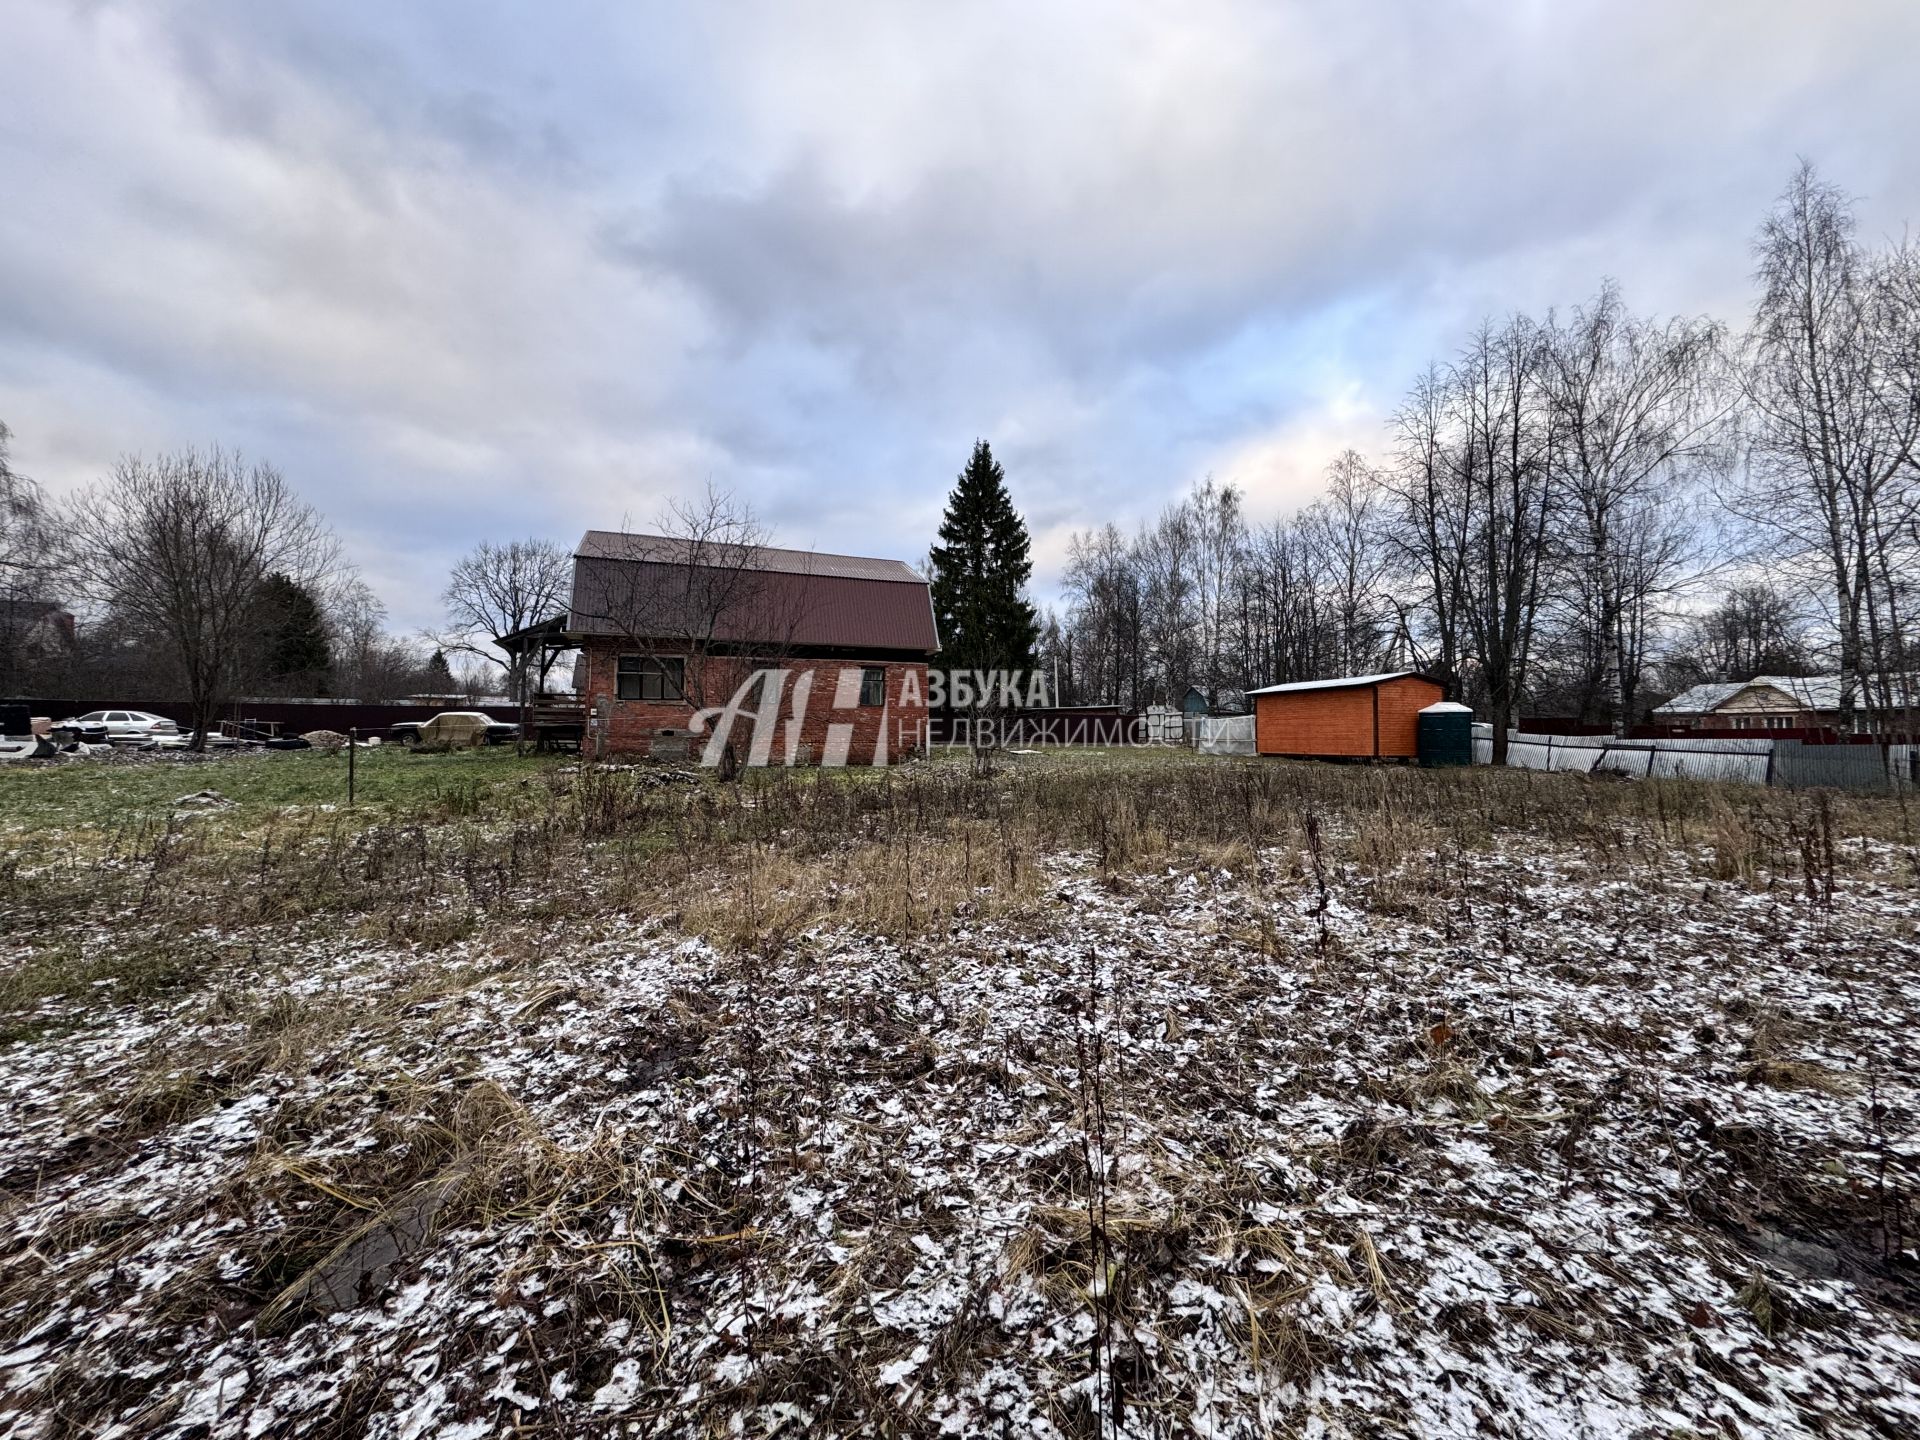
x=25 y=736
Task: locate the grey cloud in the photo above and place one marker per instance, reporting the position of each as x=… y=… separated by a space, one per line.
x=559 y=264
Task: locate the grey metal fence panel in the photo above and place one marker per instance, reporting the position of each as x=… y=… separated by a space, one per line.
x=1846 y=767
x=1702 y=759
x=1903 y=765
x=1527 y=752
x=1224 y=735
x=1688 y=763
x=1624 y=758
x=1570 y=752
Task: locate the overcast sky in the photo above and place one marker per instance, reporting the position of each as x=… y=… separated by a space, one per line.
x=466 y=274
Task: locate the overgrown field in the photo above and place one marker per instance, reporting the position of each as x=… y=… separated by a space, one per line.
x=1113 y=1094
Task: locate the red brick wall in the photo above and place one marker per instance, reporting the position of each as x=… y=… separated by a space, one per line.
x=633 y=725
x=1340 y=722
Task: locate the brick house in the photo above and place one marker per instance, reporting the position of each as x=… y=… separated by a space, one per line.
x=669 y=628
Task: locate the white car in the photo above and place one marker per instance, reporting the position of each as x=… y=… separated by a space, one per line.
x=124 y=725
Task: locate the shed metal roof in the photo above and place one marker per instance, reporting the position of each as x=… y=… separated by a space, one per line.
x=1344 y=682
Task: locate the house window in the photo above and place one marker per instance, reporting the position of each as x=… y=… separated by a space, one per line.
x=873 y=685
x=641 y=677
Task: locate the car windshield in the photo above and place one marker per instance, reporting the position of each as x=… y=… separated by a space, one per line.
x=93 y=716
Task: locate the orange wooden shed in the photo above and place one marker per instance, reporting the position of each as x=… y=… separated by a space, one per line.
x=1362 y=717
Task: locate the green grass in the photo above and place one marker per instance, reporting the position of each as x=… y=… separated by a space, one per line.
x=81 y=798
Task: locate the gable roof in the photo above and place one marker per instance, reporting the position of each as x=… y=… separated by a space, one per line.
x=1701 y=699
x=1344 y=682
x=1800 y=692
x=770 y=559
x=1815 y=692
x=659 y=587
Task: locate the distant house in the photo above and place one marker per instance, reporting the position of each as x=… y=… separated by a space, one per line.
x=669 y=627
x=43 y=624
x=1766 y=702
x=31 y=631
x=1194 y=702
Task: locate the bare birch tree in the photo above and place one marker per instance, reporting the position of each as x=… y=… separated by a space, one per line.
x=1829 y=379
x=1506 y=459
x=1219 y=532
x=1104 y=617
x=1430 y=525
x=1344 y=530
x=1638 y=413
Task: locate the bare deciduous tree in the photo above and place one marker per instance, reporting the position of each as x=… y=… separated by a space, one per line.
x=1220 y=540
x=176 y=549
x=369 y=663
x=1104 y=620
x=1835 y=420
x=1638 y=413
x=498 y=590
x=27 y=569
x=1429 y=525
x=1506 y=448
x=1344 y=530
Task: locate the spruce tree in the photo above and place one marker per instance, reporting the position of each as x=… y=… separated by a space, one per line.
x=439 y=674
x=295 y=647
x=980 y=573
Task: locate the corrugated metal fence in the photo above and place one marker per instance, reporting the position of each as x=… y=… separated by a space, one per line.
x=1223 y=734
x=1757 y=761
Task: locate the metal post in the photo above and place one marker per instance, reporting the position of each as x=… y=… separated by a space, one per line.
x=353 y=744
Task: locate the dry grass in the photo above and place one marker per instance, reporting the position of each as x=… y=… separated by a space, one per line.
x=900 y=854
x=463 y=896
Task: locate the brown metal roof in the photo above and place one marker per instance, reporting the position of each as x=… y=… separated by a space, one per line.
x=670 y=550
x=658 y=588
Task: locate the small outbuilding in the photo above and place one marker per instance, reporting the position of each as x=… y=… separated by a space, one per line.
x=1359 y=717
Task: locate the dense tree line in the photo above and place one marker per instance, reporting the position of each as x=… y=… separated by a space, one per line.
x=1576 y=514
